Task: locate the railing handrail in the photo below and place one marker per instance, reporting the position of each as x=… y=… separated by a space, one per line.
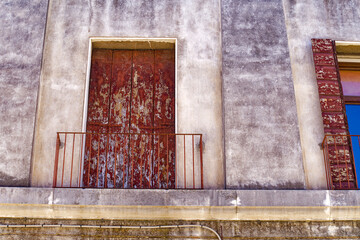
x=170 y=134
x=120 y=153
x=338 y=154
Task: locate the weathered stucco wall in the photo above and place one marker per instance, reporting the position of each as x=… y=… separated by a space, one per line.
x=22 y=31
x=195 y=24
x=262 y=144
x=334 y=19
x=234 y=214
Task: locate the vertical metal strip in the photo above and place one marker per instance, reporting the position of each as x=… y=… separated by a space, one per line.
x=193 y=160
x=184 y=162
x=201 y=162
x=56 y=163
x=90 y=157
x=72 y=159
x=98 y=161
x=167 y=160
x=62 y=178
x=81 y=157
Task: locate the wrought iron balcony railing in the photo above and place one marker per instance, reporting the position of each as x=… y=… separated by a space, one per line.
x=128 y=160
x=340 y=152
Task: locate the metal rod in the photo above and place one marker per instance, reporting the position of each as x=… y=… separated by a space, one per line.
x=123 y=151
x=184 y=163
x=346 y=165
x=141 y=163
x=158 y=179
x=193 y=158
x=62 y=178
x=106 y=161
x=56 y=163
x=115 y=159
x=97 y=164
x=81 y=157
x=151 y=161
x=162 y=134
x=201 y=162
x=353 y=164
x=88 y=180
x=72 y=159
x=326 y=159
x=176 y=164
x=167 y=161
x=132 y=165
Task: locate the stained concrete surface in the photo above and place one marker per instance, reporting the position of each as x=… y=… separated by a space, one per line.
x=193 y=198
x=262 y=143
x=22 y=31
x=226 y=229
x=195 y=24
x=334 y=19
x=240 y=214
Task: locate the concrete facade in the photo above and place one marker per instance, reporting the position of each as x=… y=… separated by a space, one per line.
x=234 y=214
x=245 y=80
x=22 y=35
x=262 y=144
x=62 y=87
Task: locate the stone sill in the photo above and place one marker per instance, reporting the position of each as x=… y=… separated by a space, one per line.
x=297 y=205
x=149 y=197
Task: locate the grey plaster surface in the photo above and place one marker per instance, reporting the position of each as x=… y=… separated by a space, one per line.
x=196 y=26
x=334 y=19
x=22 y=31
x=227 y=229
x=144 y=197
x=262 y=143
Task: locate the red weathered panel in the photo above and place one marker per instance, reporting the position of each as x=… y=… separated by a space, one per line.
x=333 y=119
x=98 y=118
x=121 y=100
x=142 y=104
x=164 y=118
x=99 y=87
x=339 y=154
x=121 y=90
x=95 y=157
x=333 y=112
x=331 y=104
x=322 y=45
x=342 y=173
x=119 y=120
x=335 y=131
x=328 y=88
x=324 y=59
x=326 y=73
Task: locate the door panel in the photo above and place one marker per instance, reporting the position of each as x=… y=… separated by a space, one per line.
x=142 y=105
x=164 y=119
x=98 y=119
x=131 y=91
x=119 y=119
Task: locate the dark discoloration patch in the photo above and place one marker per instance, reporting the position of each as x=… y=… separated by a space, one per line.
x=10 y=181
x=281 y=186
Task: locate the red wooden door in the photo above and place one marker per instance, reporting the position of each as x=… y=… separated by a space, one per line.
x=131 y=93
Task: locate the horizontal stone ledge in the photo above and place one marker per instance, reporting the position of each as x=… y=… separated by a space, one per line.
x=235 y=213
x=203 y=198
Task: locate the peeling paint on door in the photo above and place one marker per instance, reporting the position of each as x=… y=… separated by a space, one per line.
x=131 y=91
